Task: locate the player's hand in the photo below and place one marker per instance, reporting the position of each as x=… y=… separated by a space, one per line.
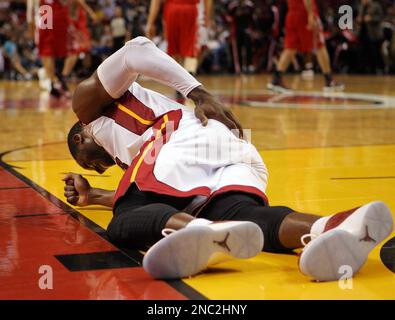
x=32 y=30
x=76 y=189
x=208 y=107
x=150 y=31
x=312 y=22
x=94 y=17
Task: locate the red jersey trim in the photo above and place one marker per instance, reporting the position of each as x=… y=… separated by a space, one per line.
x=132 y=114
x=142 y=167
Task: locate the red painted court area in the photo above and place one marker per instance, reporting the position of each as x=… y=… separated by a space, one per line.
x=35 y=232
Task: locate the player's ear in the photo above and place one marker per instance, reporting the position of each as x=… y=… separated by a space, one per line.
x=77 y=138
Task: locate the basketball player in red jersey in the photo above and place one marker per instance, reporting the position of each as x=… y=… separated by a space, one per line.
x=181 y=26
x=79 y=40
x=303 y=33
x=52 y=39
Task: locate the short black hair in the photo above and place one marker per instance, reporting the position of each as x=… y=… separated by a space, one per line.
x=75 y=129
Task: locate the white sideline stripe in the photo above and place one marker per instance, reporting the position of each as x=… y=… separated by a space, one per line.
x=385 y=102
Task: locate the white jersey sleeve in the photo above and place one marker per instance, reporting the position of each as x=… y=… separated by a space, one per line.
x=141 y=56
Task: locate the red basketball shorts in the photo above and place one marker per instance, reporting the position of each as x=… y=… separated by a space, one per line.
x=53 y=42
x=181 y=29
x=298 y=37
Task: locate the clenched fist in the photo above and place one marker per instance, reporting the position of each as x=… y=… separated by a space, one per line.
x=76 y=190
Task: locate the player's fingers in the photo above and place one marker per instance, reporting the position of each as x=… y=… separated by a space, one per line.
x=72 y=175
x=72 y=200
x=199 y=113
x=68 y=176
x=238 y=125
x=226 y=120
x=69 y=188
x=70 y=182
x=69 y=194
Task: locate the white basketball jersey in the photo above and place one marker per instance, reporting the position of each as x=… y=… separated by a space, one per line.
x=168 y=150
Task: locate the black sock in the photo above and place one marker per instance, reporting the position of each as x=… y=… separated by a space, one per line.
x=277 y=78
x=328 y=78
x=54 y=90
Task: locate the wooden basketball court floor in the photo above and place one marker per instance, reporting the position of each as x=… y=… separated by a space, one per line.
x=325 y=153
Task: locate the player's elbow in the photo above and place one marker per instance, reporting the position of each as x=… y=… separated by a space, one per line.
x=90 y=99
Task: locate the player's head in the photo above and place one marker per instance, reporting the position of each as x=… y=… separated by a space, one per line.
x=86 y=151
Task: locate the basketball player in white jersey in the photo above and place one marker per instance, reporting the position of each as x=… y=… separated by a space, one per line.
x=175 y=186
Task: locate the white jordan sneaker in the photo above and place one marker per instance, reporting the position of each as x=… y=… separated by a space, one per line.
x=190 y=250
x=344 y=239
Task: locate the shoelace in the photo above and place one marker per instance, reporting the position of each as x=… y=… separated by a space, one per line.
x=312 y=236
x=167 y=232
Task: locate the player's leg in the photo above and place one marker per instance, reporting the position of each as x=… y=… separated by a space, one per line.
x=291 y=43
x=308 y=71
x=49 y=66
x=141 y=226
x=277 y=83
x=50 y=71
x=315 y=40
x=343 y=239
x=282 y=227
x=69 y=64
x=285 y=59
x=325 y=65
x=139 y=218
x=47 y=53
x=181 y=245
x=248 y=51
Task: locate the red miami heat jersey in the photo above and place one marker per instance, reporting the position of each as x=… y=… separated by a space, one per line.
x=296 y=6
x=193 y=2
x=55 y=3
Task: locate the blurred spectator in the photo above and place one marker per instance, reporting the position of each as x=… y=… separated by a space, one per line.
x=370 y=35
x=241 y=12
x=79 y=38
x=1 y=62
x=118 y=29
x=10 y=51
x=108 y=8
x=256 y=26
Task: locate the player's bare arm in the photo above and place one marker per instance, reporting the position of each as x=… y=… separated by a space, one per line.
x=88 y=9
x=141 y=57
x=79 y=192
x=208 y=12
x=31 y=7
x=153 y=14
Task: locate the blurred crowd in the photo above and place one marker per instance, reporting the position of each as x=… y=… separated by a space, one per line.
x=252 y=31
